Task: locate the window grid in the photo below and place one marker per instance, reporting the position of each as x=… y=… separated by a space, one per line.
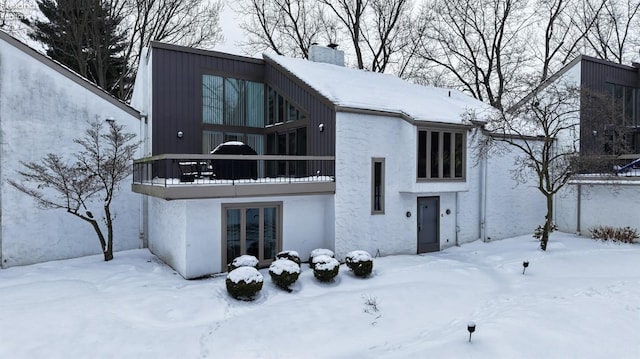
x=441 y=155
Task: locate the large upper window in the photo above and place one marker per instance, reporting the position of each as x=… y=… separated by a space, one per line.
x=280 y=110
x=441 y=154
x=622 y=134
x=232 y=102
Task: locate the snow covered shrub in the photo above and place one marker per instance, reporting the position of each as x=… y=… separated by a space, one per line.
x=624 y=235
x=284 y=272
x=244 y=260
x=360 y=262
x=244 y=283
x=537 y=234
x=319 y=252
x=290 y=255
x=325 y=268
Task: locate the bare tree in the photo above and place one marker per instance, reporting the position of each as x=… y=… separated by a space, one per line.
x=615 y=30
x=482 y=44
x=379 y=30
x=288 y=27
x=543 y=129
x=103 y=162
x=566 y=25
x=183 y=22
x=10 y=15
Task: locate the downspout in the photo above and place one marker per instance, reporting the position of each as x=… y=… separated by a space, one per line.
x=144 y=199
x=456 y=219
x=579 y=204
x=1 y=178
x=483 y=198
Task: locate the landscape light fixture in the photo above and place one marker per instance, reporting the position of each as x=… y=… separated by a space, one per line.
x=471 y=327
x=525 y=264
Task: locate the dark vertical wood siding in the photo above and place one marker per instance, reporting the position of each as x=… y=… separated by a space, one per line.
x=318 y=109
x=595 y=74
x=177 y=93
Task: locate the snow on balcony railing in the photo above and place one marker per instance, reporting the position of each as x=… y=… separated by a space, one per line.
x=189 y=169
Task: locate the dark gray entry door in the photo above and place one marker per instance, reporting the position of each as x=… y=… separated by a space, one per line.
x=428 y=224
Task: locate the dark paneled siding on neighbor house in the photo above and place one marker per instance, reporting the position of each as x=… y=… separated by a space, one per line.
x=317 y=108
x=177 y=92
x=595 y=74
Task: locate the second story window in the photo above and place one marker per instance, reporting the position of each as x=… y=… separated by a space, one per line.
x=279 y=110
x=232 y=102
x=441 y=155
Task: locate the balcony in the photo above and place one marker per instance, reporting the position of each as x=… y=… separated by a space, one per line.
x=191 y=176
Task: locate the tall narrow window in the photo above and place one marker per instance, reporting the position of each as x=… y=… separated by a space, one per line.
x=377 y=186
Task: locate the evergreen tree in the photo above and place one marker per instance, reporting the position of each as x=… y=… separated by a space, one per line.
x=83 y=35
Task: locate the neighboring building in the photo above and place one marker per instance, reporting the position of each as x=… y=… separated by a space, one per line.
x=43 y=107
x=346 y=159
x=609 y=105
x=609 y=139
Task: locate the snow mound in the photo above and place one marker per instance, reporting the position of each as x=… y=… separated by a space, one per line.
x=359 y=256
x=284 y=265
x=245 y=274
x=245 y=260
x=325 y=263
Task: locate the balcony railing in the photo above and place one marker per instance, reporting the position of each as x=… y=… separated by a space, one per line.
x=174 y=176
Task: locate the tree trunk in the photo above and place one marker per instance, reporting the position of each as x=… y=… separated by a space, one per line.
x=107 y=249
x=548 y=223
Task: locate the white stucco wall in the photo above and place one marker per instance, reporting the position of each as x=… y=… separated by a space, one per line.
x=42 y=111
x=600 y=205
x=187 y=234
x=359 y=138
x=510 y=209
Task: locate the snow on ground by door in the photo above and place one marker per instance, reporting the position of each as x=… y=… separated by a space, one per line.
x=580 y=299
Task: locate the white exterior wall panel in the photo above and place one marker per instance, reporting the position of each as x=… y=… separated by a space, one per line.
x=193 y=246
x=42 y=111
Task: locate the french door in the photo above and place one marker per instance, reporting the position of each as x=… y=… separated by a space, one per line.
x=254 y=229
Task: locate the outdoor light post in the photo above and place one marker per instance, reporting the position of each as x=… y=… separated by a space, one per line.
x=471 y=327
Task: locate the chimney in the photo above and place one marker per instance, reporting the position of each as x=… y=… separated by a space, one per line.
x=328 y=54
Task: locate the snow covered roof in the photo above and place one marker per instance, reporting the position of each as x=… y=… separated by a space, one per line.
x=366 y=90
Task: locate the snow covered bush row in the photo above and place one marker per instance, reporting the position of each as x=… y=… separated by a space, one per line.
x=244 y=280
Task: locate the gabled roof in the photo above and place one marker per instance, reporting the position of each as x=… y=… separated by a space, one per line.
x=353 y=89
x=67 y=72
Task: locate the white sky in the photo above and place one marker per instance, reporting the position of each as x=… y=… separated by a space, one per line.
x=230 y=29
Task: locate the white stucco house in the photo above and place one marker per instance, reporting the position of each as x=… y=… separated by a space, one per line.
x=346 y=159
x=43 y=107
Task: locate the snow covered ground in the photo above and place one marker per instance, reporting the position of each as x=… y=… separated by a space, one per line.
x=580 y=299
